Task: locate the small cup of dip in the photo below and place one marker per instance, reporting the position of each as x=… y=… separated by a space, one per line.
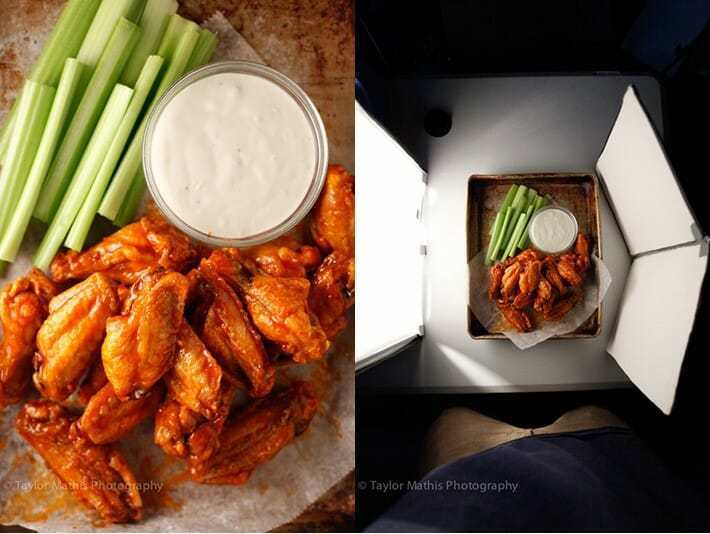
x=553 y=229
x=235 y=154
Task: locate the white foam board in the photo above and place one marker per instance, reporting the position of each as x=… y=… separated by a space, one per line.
x=389 y=190
x=656 y=317
x=645 y=196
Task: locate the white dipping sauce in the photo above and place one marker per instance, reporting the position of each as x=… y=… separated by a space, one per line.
x=233 y=155
x=553 y=230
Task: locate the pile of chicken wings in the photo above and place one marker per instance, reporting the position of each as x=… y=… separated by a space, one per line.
x=550 y=285
x=148 y=324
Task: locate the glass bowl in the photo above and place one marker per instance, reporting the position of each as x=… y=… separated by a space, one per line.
x=319 y=139
x=567 y=245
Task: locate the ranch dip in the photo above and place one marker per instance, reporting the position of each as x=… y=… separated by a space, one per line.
x=233 y=155
x=553 y=230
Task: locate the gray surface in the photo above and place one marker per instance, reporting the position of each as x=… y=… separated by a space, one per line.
x=501 y=125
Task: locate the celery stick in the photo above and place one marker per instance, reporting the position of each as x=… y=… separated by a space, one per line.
x=108 y=15
x=35 y=103
x=82 y=224
x=15 y=231
x=177 y=27
x=7 y=132
x=62 y=43
x=519 y=203
x=495 y=231
x=525 y=238
x=499 y=241
x=517 y=232
x=131 y=162
x=508 y=200
x=153 y=24
x=206 y=45
x=105 y=76
x=85 y=174
x=132 y=202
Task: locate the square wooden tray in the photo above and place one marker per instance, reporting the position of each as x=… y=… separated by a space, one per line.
x=578 y=192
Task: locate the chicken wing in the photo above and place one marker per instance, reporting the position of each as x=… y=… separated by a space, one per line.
x=107 y=418
x=196 y=378
x=68 y=341
x=509 y=283
x=332 y=292
x=495 y=280
x=567 y=267
x=581 y=249
x=518 y=319
x=141 y=345
x=97 y=474
x=257 y=434
x=528 y=282
x=545 y=297
x=278 y=306
x=231 y=337
x=186 y=434
x=284 y=257
x=562 y=307
x=23 y=308
x=129 y=253
x=333 y=224
x=553 y=275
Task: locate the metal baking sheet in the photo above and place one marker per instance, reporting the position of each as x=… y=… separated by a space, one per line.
x=578 y=192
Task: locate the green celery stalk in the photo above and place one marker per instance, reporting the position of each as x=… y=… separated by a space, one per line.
x=7 y=131
x=153 y=24
x=84 y=176
x=519 y=203
x=495 y=231
x=524 y=241
x=105 y=76
x=64 y=42
x=506 y=222
x=80 y=229
x=517 y=232
x=16 y=227
x=35 y=103
x=108 y=15
x=206 y=45
x=131 y=162
x=132 y=202
x=177 y=27
x=509 y=197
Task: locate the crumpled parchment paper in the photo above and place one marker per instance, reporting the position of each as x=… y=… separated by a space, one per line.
x=278 y=491
x=595 y=288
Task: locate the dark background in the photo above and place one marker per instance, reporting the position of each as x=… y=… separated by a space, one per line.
x=669 y=39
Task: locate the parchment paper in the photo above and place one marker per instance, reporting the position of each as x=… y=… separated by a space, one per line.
x=490 y=317
x=277 y=492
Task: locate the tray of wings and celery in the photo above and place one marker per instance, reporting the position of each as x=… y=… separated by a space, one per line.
x=534 y=257
x=143 y=325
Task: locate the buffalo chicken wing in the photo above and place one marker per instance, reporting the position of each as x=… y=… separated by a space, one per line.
x=97 y=474
x=333 y=292
x=333 y=225
x=69 y=340
x=257 y=434
x=140 y=345
x=129 y=253
x=23 y=307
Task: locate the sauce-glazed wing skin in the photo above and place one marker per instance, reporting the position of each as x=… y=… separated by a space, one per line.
x=97 y=474
x=278 y=306
x=94 y=381
x=184 y=433
x=257 y=434
x=140 y=346
x=69 y=340
x=333 y=224
x=23 y=308
x=107 y=418
x=196 y=378
x=129 y=253
x=333 y=292
x=284 y=257
x=231 y=337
